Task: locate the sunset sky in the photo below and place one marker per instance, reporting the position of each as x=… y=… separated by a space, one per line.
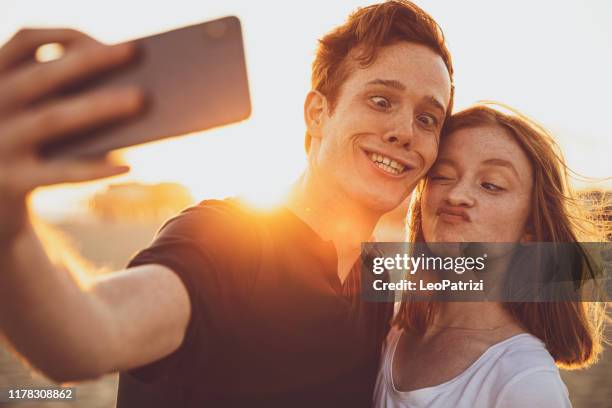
x=550 y=59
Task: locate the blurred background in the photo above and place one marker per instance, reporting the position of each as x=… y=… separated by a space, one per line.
x=551 y=60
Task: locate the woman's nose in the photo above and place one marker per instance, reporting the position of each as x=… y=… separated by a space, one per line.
x=459 y=195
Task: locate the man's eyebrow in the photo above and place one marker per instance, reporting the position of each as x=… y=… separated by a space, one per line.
x=502 y=163
x=436 y=104
x=392 y=83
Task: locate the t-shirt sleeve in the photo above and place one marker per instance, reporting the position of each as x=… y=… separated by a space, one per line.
x=212 y=248
x=536 y=389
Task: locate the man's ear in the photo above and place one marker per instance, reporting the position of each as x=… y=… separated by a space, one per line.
x=315 y=107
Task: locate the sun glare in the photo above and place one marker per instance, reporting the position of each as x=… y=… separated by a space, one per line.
x=257 y=157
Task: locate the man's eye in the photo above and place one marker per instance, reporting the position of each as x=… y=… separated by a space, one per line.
x=427 y=120
x=381 y=102
x=491 y=187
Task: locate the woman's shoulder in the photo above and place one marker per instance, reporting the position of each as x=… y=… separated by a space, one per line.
x=521 y=353
x=526 y=375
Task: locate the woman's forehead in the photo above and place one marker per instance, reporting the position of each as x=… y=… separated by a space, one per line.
x=481 y=140
x=480 y=145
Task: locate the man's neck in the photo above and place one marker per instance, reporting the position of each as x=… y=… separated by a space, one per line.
x=332 y=215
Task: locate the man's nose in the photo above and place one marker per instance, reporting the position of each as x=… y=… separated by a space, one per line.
x=460 y=195
x=401 y=133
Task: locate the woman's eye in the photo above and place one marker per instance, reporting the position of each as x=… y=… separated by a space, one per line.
x=381 y=102
x=438 y=177
x=491 y=187
x=427 y=120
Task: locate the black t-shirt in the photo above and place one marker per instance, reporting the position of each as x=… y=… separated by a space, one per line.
x=271 y=324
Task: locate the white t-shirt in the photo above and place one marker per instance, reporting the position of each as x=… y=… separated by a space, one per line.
x=517 y=372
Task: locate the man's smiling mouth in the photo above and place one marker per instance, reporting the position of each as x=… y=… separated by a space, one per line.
x=386 y=163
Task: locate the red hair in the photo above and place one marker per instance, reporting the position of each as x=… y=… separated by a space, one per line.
x=572 y=331
x=370 y=28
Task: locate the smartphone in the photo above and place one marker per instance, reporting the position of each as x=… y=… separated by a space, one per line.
x=194 y=78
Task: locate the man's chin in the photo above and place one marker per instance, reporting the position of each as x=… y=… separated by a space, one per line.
x=383 y=205
x=377 y=200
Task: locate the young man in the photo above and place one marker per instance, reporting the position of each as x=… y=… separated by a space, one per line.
x=228 y=306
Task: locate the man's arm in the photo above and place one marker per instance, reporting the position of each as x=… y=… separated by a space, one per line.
x=67 y=331
x=122 y=321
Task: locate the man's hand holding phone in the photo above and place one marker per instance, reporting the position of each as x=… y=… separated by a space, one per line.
x=31 y=113
x=58 y=121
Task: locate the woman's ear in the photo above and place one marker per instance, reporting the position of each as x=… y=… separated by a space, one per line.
x=315 y=107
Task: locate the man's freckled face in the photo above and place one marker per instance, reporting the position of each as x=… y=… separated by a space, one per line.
x=391 y=112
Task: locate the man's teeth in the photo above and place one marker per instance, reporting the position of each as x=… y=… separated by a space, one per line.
x=387 y=164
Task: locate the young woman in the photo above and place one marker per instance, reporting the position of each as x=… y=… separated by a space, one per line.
x=498 y=178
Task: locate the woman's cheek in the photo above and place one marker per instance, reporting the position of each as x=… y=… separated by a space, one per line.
x=504 y=218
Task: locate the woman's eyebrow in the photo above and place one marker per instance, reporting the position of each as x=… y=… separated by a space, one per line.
x=502 y=163
x=444 y=160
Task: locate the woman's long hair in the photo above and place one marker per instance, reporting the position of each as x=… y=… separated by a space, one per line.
x=571 y=331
